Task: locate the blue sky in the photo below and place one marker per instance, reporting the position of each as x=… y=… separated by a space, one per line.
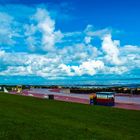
x=68 y=40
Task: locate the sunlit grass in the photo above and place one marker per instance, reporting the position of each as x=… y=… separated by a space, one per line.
x=28 y=118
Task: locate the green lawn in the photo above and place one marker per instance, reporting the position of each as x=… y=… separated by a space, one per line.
x=28 y=118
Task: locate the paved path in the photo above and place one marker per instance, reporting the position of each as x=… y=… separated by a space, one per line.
x=71 y=99
x=125 y=102
x=128 y=99
x=127 y=106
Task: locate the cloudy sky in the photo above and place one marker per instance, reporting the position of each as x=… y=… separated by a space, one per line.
x=42 y=40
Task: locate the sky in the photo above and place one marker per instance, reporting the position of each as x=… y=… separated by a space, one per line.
x=69 y=40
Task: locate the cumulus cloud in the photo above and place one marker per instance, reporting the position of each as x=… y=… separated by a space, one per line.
x=116 y=70
x=129 y=49
x=87 y=39
x=46 y=27
x=60 y=54
x=27 y=64
x=91 y=31
x=2 y=52
x=6 y=31
x=111 y=49
x=43 y=65
x=90 y=67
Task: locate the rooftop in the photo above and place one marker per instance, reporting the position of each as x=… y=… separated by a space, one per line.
x=105 y=93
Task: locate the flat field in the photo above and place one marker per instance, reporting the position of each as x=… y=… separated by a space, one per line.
x=29 y=118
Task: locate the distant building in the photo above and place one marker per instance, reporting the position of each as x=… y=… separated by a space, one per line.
x=67 y=91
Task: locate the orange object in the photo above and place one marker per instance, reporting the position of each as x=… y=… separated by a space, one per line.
x=92 y=96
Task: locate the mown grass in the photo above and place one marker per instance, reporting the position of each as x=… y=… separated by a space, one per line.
x=28 y=118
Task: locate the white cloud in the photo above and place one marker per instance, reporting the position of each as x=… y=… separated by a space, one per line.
x=90 y=31
x=111 y=48
x=115 y=70
x=78 y=55
x=90 y=67
x=46 y=26
x=87 y=39
x=66 y=69
x=130 y=49
x=57 y=65
x=17 y=70
x=6 y=31
x=2 y=52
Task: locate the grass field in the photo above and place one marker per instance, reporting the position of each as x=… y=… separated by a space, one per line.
x=28 y=118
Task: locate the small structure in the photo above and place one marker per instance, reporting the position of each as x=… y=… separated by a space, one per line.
x=17 y=89
x=105 y=98
x=65 y=90
x=93 y=99
x=60 y=90
x=5 y=90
